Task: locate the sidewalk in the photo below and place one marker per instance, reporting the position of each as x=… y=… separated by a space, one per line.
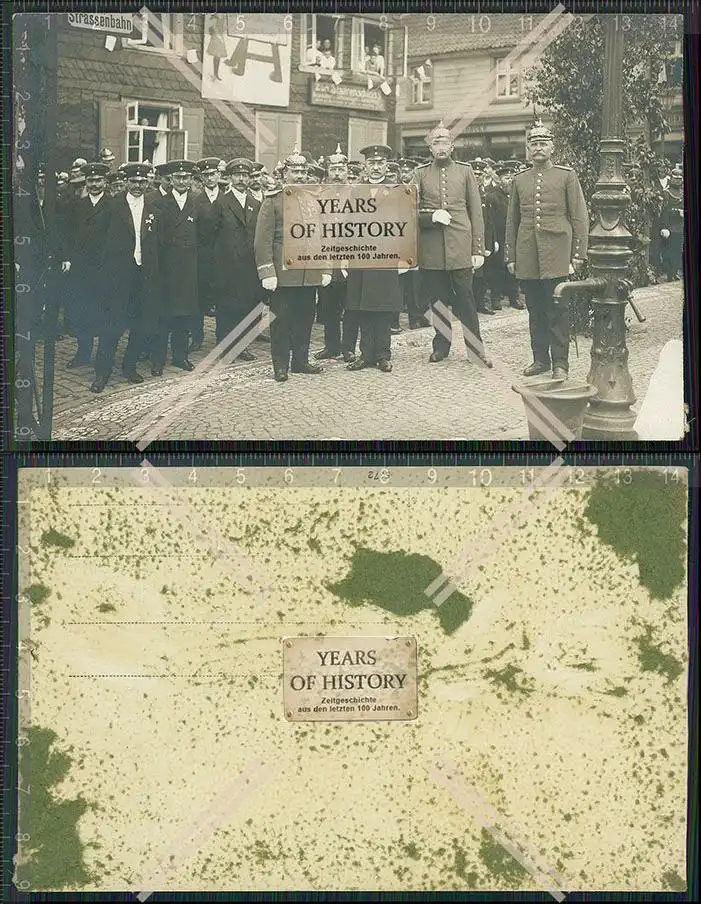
x=452 y=400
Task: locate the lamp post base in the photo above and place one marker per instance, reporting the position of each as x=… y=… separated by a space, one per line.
x=608 y=425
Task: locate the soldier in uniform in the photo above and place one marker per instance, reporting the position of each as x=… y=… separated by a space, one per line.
x=375 y=294
x=237 y=288
x=84 y=253
x=116 y=182
x=332 y=299
x=207 y=204
x=130 y=276
x=671 y=225
x=107 y=157
x=547 y=226
x=292 y=293
x=255 y=188
x=451 y=240
x=177 y=258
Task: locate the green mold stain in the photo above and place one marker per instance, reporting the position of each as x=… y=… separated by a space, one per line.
x=52 y=537
x=107 y=607
x=54 y=858
x=37 y=593
x=643 y=522
x=396 y=582
x=652 y=659
x=673 y=881
x=499 y=861
x=507 y=678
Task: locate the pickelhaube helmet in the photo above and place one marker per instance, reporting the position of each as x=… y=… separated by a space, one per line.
x=440 y=131
x=337 y=157
x=538 y=130
x=296 y=159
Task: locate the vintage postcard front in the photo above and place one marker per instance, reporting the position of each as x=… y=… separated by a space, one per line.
x=314 y=679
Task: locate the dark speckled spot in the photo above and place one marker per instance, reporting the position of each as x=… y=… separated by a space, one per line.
x=37 y=594
x=52 y=537
x=643 y=522
x=499 y=861
x=396 y=581
x=56 y=860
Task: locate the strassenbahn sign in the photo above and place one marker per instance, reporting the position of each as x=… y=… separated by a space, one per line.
x=113 y=23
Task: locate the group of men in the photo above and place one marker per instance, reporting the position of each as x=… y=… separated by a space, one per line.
x=145 y=251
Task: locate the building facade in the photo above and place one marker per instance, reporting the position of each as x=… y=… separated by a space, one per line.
x=459 y=69
x=184 y=85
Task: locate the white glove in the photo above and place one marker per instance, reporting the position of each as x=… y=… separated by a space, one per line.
x=511 y=268
x=402 y=270
x=325 y=280
x=664 y=233
x=496 y=247
x=269 y=283
x=477 y=261
x=65 y=266
x=570 y=270
x=345 y=274
x=442 y=217
x=487 y=253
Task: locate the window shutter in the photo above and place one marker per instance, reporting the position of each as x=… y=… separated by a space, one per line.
x=288 y=136
x=193 y=124
x=113 y=129
x=267 y=154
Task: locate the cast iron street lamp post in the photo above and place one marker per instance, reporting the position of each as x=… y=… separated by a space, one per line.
x=609 y=416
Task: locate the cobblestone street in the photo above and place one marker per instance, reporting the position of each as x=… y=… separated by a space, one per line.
x=452 y=400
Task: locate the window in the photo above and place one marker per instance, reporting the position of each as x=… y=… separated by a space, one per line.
x=508 y=79
x=369 y=45
x=421 y=86
x=155 y=133
x=320 y=42
x=157 y=32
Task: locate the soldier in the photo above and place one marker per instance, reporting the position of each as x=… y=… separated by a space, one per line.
x=501 y=283
x=130 y=276
x=107 y=157
x=237 y=289
x=451 y=241
x=671 y=225
x=177 y=258
x=332 y=299
x=292 y=297
x=547 y=227
x=164 y=184
x=354 y=172
x=84 y=254
x=375 y=294
x=76 y=180
x=207 y=204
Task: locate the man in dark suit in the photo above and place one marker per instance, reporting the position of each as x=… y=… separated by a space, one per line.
x=375 y=294
x=292 y=293
x=237 y=288
x=130 y=276
x=207 y=204
x=451 y=240
x=671 y=225
x=83 y=260
x=177 y=260
x=499 y=280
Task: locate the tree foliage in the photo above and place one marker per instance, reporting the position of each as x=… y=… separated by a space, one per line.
x=567 y=84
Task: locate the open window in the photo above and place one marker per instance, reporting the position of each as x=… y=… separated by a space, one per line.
x=159 y=32
x=155 y=133
x=320 y=42
x=508 y=79
x=369 y=47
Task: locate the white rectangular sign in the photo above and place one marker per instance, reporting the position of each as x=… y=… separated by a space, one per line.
x=114 y=23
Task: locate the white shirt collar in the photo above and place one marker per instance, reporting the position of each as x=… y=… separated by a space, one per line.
x=134 y=199
x=95 y=198
x=180 y=195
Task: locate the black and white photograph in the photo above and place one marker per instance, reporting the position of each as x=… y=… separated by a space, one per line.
x=153 y=295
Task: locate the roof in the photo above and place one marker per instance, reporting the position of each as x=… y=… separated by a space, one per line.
x=461 y=33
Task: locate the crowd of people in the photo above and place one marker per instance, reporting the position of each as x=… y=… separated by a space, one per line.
x=152 y=251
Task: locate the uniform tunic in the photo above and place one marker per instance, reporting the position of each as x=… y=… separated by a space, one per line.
x=268 y=245
x=453 y=187
x=547 y=222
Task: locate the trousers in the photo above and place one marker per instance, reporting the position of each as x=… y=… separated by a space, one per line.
x=294 y=308
x=454 y=289
x=549 y=323
x=375 y=335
